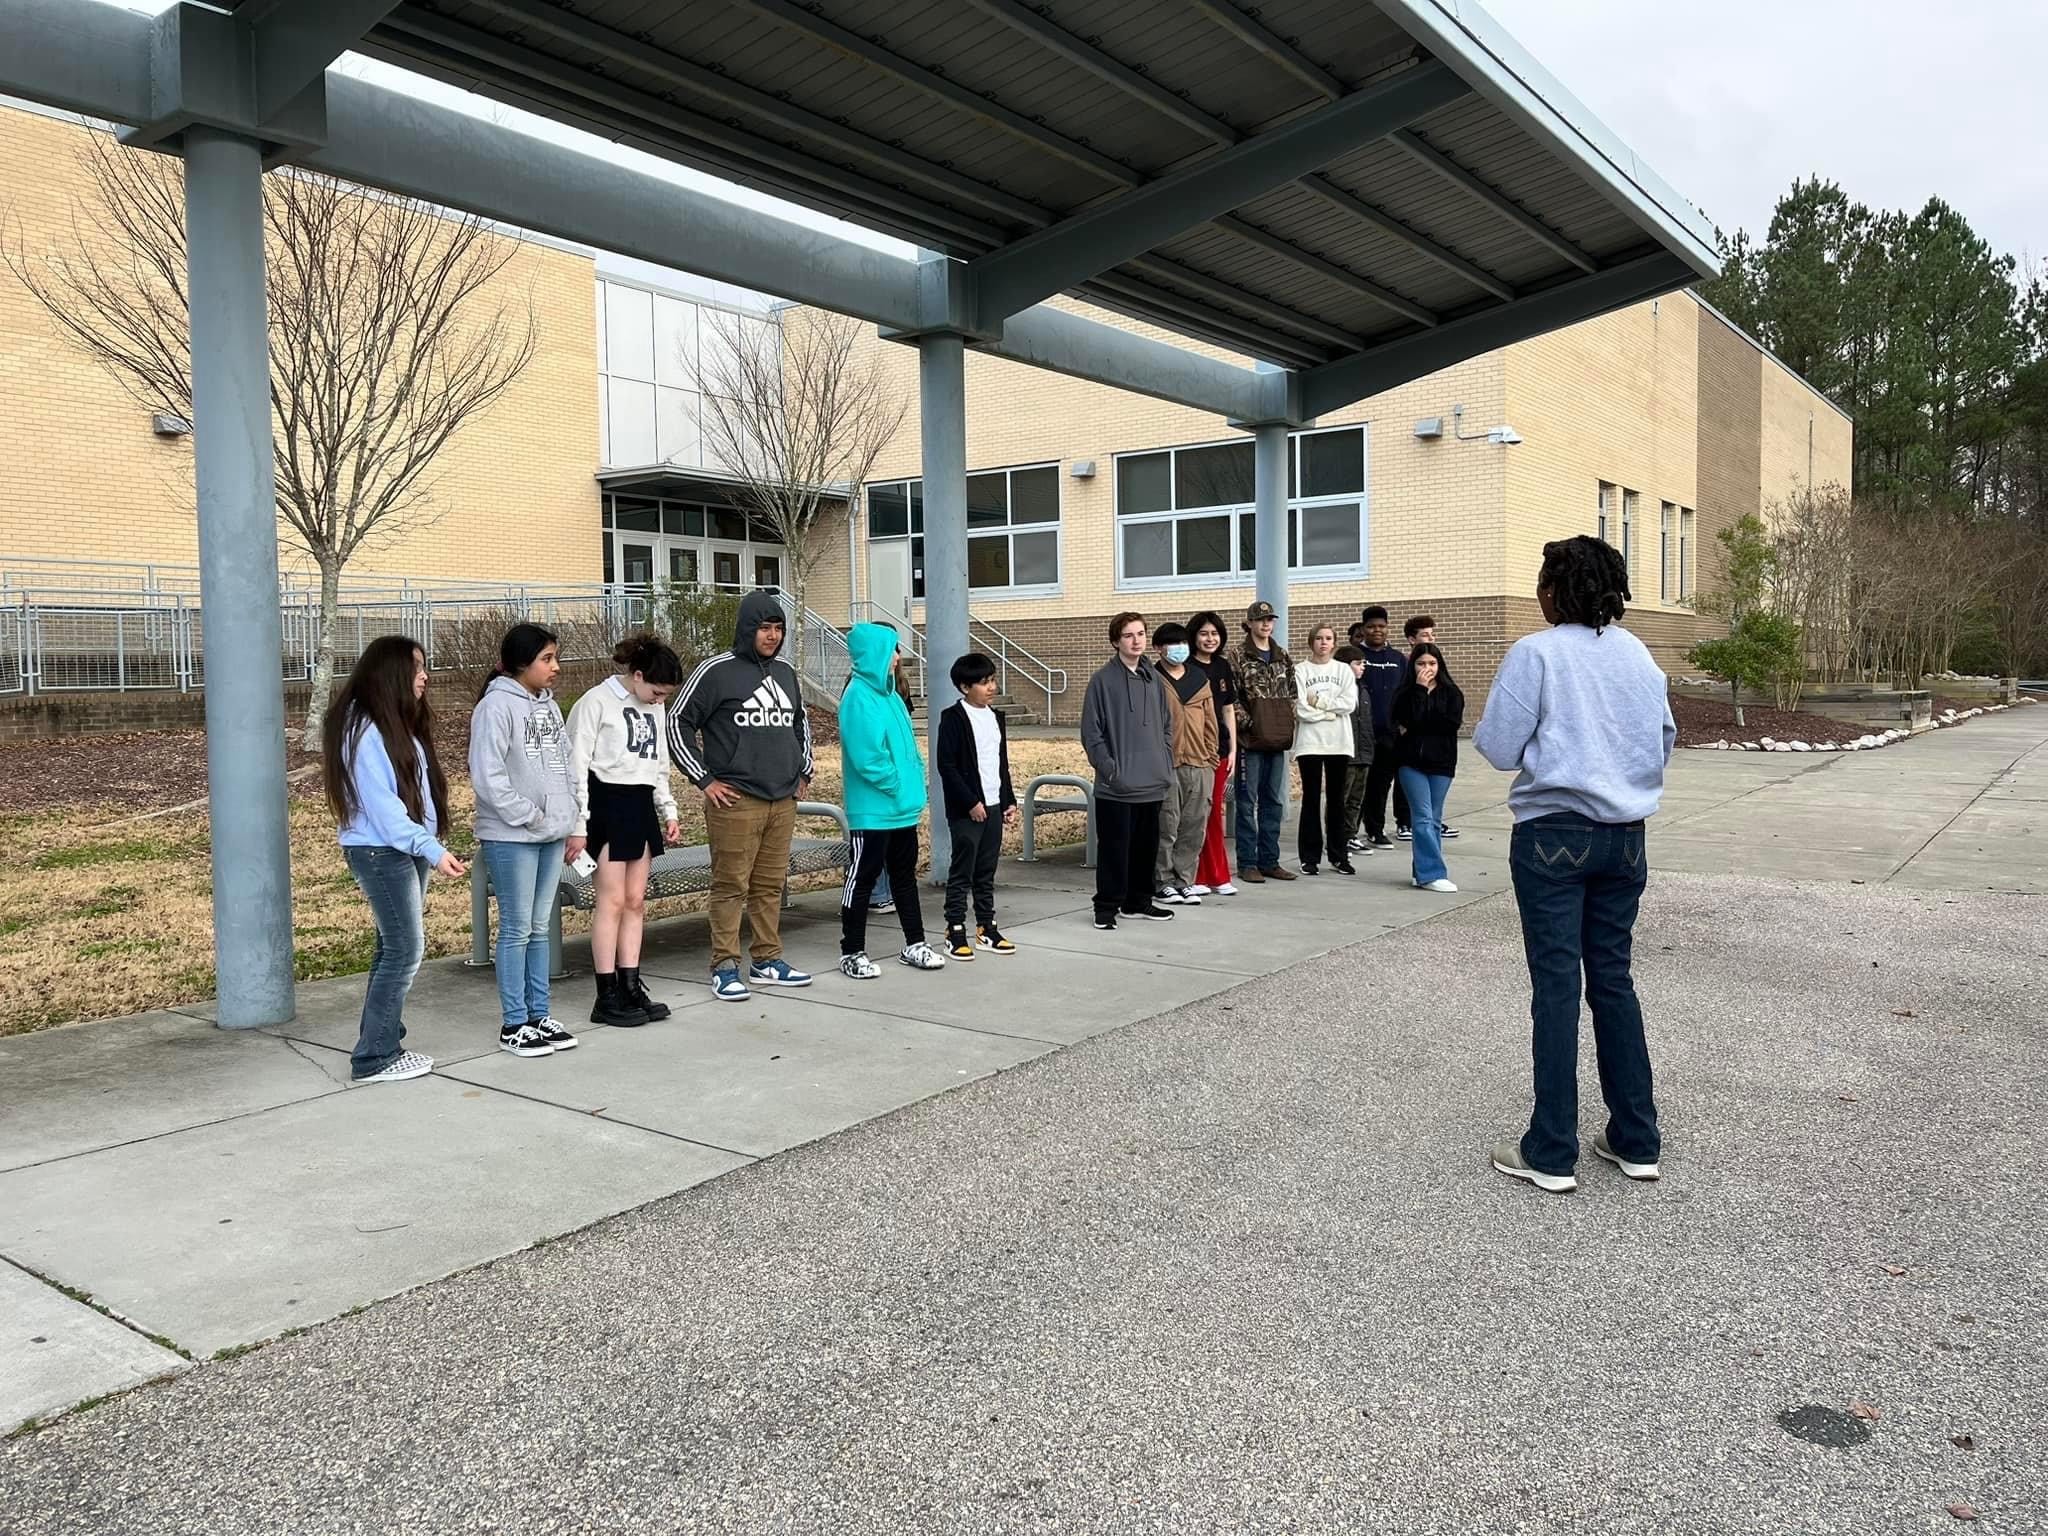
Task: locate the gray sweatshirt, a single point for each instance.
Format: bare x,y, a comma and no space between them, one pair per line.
519,766
1585,715
1127,732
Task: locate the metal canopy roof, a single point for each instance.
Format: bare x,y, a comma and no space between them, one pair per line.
1405,170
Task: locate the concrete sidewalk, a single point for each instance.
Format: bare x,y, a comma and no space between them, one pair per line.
209,1190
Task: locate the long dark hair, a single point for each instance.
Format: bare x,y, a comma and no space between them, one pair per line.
519,650
1444,683
1208,616
378,695
1588,581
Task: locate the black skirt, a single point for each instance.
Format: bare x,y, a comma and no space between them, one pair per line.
624,821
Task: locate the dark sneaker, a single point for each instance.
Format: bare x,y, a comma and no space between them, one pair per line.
1168,895
1646,1173
551,1031
1311,870
523,1040
883,907
409,1064
1189,896
1344,868
1507,1157
1277,873
726,985
1152,914
1380,840
1449,832
1105,920
958,945
1406,834
991,939
777,973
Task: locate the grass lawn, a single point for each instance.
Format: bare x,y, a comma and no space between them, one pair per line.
102,918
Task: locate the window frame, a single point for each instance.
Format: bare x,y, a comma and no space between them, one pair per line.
1667,514
1241,513
1688,553
1008,531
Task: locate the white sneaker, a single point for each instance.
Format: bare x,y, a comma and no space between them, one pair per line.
409,1064
1226,889
1169,895
1443,887
859,967
922,957
1189,896
1200,890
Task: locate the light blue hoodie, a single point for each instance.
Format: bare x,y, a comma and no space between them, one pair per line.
884,771
381,819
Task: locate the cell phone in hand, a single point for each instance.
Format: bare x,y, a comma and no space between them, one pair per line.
584,865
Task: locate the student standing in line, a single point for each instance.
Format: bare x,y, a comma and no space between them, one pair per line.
1265,735
386,788
1420,627
1212,870
1128,737
884,898
625,815
1384,670
885,798
1361,753
974,767
1184,813
1427,712
1325,695
525,810
1583,712
739,729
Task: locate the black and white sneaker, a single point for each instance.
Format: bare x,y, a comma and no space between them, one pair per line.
882,907
1105,921
524,1040
408,1065
1169,895
551,1031
1406,834
1189,896
1450,832
1152,914
922,957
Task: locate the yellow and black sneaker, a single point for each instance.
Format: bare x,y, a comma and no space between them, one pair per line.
991,939
957,947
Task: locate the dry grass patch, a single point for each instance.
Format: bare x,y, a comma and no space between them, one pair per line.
102,920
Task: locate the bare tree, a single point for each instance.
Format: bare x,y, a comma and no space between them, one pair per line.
797,413
384,341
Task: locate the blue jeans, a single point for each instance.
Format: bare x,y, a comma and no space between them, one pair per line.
1426,794
524,876
1261,807
1578,883
396,884
884,893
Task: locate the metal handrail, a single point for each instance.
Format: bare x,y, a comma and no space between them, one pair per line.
1008,655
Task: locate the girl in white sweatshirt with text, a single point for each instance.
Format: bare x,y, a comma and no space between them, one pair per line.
1325,694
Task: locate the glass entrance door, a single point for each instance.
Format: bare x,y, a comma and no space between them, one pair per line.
728,564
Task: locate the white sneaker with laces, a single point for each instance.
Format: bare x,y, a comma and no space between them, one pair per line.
922,957
525,1040
410,1064
1169,895
1226,889
1442,887
1201,890
858,967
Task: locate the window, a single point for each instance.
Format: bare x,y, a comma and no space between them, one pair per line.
646,540
1664,530
1013,516
1687,538
1185,515
1630,502
1603,518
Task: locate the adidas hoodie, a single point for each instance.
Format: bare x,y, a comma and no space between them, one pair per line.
739,717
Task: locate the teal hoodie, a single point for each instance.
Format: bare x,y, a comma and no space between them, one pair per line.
878,754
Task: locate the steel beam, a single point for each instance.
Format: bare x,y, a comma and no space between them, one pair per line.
1115,231
1273,46
1337,197
1269,501
295,41
1426,153
89,59
1337,384
942,421
235,471
1329,270
1081,348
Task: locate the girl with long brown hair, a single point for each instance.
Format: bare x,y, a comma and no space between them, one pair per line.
387,790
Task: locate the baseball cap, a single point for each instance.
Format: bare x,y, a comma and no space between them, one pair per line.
1259,611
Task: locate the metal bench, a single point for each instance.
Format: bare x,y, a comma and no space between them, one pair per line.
679,872
1030,806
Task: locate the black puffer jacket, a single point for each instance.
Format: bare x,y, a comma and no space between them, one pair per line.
1427,720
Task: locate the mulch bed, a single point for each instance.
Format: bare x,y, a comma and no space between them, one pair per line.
1704,721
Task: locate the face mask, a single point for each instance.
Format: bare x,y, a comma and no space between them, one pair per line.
1177,654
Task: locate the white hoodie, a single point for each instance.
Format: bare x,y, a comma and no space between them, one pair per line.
622,741
1325,694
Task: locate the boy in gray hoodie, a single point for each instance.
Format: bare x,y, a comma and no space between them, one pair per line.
1127,732
525,808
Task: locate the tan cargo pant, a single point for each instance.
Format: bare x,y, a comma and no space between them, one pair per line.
749,867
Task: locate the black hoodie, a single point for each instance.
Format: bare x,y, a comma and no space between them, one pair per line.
748,713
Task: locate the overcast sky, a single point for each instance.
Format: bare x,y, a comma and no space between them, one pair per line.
1898,100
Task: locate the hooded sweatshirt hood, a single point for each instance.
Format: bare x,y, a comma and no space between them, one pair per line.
519,766
756,609
883,769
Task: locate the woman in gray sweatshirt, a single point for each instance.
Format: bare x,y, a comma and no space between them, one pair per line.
525,808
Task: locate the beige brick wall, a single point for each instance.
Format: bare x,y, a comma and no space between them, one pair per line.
1806,443
83,477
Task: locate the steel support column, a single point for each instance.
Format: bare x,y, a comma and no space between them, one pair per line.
942,419
231,442
1269,500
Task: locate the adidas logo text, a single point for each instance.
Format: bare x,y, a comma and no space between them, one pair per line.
768,706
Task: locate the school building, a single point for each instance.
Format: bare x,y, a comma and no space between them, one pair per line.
1656,426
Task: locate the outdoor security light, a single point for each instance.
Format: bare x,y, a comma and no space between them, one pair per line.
1430,427
166,424
1505,435
1082,469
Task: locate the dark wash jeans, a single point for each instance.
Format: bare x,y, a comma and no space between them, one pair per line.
1578,883
1261,807
396,884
